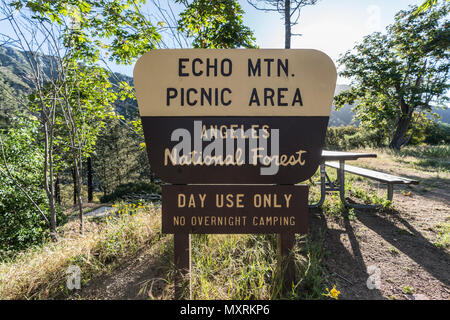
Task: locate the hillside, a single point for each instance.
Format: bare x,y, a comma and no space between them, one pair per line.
344,116
15,82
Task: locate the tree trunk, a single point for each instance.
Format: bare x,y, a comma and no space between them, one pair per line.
80,201
89,180
57,191
51,196
48,180
75,188
79,183
287,24
399,138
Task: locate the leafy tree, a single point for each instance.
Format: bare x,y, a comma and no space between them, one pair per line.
216,24
114,26
119,158
399,75
75,34
22,199
290,9
427,5
86,103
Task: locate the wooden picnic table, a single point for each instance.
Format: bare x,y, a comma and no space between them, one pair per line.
327,185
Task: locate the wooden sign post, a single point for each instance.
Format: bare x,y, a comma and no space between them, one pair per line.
182,261
233,132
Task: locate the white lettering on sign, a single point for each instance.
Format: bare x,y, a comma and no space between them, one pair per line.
225,152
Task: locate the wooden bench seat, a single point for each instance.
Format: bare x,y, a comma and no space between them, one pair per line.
389,179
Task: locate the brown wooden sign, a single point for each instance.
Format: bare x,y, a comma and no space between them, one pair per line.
237,209
216,118
234,116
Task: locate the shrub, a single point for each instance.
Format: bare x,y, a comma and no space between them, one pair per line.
21,225
335,136
372,138
424,151
437,133
351,137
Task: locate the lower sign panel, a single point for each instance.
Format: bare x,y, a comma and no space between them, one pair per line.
238,209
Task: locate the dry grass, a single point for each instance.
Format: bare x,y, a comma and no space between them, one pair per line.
224,266
40,273
245,267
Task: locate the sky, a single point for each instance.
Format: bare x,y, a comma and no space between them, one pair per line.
332,26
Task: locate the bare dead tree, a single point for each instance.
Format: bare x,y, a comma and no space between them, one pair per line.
290,9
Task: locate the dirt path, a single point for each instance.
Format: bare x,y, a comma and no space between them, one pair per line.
396,247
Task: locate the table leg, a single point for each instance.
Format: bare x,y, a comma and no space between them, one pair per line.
322,187
341,179
390,191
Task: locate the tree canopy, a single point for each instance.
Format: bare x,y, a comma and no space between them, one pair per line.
400,75
427,5
114,26
215,24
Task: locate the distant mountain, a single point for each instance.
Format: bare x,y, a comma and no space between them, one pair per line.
344,116
16,82
445,115
127,108
15,70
